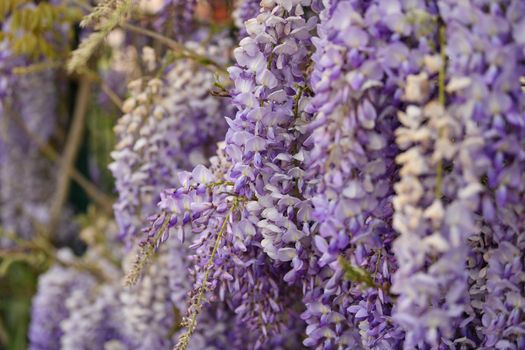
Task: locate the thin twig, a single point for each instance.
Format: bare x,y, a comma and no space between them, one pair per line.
113,96
191,321
37,67
74,140
4,337
26,249
78,264
172,44
100,198
144,255
442,100
161,38
180,49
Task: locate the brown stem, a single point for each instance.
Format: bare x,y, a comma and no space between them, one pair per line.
100,198
74,140
4,337
111,94
24,250
78,264
93,76
176,46
172,44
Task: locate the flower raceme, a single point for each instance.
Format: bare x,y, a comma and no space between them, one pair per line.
360,185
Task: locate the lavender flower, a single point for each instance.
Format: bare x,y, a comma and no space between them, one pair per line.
229,266
264,136
160,298
447,157
485,90
170,125
176,17
244,11
213,206
150,308
502,320
25,177
368,193
432,248
48,309
131,165
190,207
364,50
28,118
94,320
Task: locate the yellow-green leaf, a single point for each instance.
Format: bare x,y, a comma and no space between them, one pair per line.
355,273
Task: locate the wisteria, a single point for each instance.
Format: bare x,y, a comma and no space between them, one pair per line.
351,171
28,120
163,132
244,11
49,309
493,99
32,115
175,17
256,135
281,174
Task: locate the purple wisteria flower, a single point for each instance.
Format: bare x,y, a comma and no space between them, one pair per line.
212,207
26,113
245,10
447,181
362,185
486,55
148,307
48,309
248,202
265,136
227,261
175,17
152,310
94,321
170,125
364,52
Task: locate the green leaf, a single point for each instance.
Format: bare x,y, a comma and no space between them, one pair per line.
5,6
356,274
4,336
5,265
16,291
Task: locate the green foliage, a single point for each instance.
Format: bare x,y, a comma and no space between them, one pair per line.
17,288
27,252
34,28
7,6
100,12
106,17
356,274
101,141
425,23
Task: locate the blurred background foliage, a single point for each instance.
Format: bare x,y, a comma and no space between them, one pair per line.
34,31
44,33
18,287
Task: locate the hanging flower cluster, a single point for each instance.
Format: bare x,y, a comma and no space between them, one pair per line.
24,174
349,175
361,183
49,309
171,124
176,17
29,117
